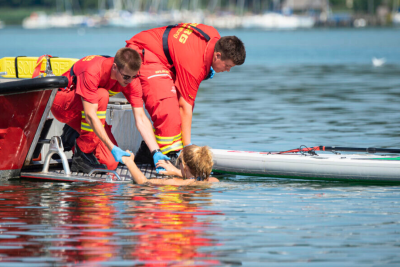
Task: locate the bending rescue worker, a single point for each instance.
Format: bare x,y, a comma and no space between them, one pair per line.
83,104
176,59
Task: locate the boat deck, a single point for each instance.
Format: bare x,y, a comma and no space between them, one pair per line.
121,175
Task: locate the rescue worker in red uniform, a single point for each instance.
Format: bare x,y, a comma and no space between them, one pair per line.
176,59
83,104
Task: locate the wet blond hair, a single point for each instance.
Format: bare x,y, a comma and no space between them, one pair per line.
199,160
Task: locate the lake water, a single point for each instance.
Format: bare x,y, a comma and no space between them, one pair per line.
314,87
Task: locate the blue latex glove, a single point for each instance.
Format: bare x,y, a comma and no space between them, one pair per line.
159,156
210,74
188,145
118,153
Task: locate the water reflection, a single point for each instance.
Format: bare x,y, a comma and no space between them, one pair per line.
85,224
170,228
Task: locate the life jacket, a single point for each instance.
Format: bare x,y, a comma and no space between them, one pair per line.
165,40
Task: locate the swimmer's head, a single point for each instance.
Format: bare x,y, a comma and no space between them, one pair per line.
197,160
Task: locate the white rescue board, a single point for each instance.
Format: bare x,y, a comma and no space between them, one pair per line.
361,167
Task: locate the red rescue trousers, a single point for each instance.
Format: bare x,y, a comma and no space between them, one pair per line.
68,108
161,101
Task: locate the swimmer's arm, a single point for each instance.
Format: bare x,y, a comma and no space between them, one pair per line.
173,171
181,182
171,181
137,175
169,168
212,180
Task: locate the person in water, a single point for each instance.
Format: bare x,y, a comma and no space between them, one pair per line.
195,164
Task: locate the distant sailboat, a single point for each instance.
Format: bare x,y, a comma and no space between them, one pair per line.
378,62
63,18
396,13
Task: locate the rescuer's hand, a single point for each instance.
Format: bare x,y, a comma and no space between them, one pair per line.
118,153
159,156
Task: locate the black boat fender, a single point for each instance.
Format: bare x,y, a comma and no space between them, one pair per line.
30,85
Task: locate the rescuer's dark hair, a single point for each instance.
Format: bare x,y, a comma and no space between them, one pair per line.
128,57
231,48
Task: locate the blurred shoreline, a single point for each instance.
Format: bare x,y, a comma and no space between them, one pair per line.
269,20
286,15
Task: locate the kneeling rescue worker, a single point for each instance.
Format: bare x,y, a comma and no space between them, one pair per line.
176,59
83,104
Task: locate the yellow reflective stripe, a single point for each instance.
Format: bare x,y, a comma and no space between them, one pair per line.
100,114
112,93
86,127
164,137
178,137
169,139
163,143
174,147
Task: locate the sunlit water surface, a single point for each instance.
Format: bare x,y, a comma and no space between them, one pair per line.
314,87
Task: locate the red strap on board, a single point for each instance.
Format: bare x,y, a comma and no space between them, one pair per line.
37,71
316,148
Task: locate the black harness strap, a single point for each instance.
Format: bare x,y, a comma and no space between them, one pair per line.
16,66
165,40
48,61
205,35
165,43
72,74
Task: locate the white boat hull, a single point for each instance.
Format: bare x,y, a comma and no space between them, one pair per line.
365,167
396,19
